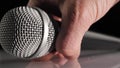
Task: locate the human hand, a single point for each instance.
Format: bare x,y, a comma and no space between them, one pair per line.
76,17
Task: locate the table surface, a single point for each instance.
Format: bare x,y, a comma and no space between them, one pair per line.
92,57
88,59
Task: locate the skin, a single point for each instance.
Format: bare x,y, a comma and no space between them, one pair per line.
76,16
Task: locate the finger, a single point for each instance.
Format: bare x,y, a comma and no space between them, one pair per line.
59,59
38,3
56,18
73,29
47,57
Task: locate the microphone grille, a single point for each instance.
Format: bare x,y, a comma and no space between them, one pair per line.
22,31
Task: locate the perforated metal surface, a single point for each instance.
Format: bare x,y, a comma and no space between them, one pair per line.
21,32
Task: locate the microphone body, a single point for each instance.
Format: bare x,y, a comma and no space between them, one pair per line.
28,32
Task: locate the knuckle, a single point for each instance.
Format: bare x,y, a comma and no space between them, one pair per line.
70,54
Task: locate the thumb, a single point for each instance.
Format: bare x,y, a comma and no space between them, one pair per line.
69,40
72,31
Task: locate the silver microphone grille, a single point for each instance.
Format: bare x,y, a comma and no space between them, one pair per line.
26,32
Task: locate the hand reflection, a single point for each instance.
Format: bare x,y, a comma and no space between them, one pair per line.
51,64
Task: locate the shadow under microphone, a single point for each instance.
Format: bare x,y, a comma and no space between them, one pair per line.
28,32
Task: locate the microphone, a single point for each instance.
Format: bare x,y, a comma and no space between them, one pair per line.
28,32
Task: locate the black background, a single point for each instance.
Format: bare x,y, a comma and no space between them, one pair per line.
109,24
